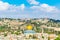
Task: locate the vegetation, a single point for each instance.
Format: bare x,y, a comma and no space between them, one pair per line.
58,38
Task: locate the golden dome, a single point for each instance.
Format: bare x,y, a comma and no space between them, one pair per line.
29,27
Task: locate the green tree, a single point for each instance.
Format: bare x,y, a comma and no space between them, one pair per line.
58,38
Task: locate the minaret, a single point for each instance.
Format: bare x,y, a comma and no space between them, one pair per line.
4,19
42,29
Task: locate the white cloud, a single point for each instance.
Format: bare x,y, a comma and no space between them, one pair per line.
4,6
48,8
22,6
14,8
29,12
42,7
45,8
34,2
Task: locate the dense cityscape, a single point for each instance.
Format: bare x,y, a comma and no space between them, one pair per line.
28,29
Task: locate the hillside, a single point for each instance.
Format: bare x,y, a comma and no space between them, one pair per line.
19,25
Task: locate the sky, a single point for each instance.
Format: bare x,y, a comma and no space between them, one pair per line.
30,9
